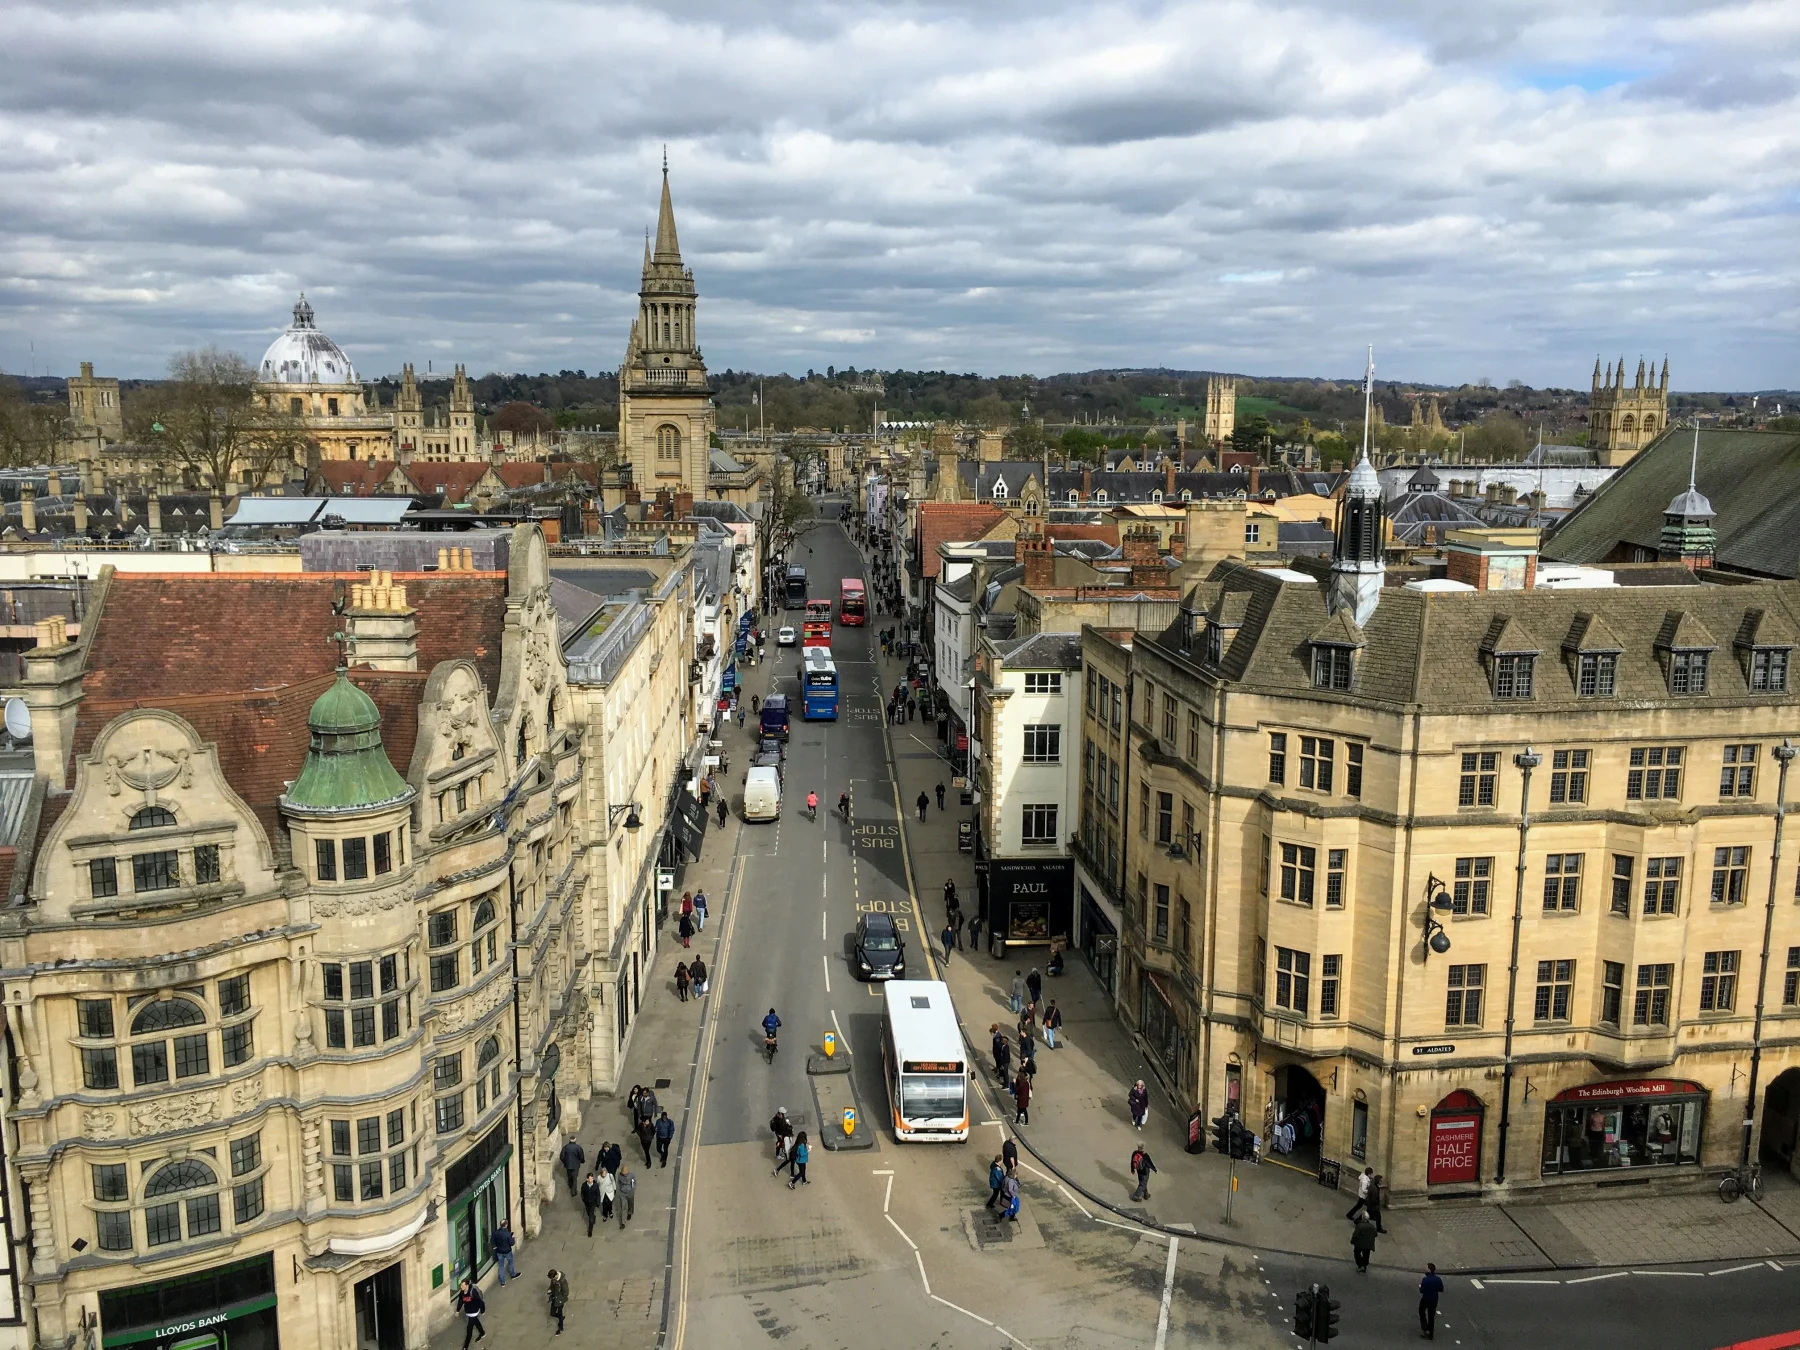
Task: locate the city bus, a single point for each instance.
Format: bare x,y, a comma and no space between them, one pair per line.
926,1066
795,592
819,685
816,630
853,606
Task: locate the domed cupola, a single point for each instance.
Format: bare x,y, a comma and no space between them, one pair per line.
304,355
346,768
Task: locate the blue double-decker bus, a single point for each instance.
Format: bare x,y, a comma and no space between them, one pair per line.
819,685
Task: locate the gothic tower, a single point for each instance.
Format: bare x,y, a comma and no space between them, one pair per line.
1621,420
409,419
1357,567
1221,408
462,416
665,402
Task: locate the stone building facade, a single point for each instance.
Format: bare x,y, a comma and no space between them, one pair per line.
1623,419
1486,890
292,966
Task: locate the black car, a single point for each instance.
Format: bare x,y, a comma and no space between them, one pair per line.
768,745
879,954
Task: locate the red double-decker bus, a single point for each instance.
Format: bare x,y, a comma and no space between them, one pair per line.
816,630
853,606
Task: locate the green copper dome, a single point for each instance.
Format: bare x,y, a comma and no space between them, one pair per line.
346,768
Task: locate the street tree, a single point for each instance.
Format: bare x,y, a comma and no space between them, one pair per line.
29,431
205,423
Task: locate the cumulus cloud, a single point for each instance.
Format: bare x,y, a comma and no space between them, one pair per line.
1496,190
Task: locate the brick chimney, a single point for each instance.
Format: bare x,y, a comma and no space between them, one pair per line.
1255,479
1168,477
990,446
1141,549
155,509
28,508
633,497
1037,556
684,505
1087,484
384,626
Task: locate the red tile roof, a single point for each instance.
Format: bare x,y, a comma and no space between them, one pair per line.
361,477
454,479
951,522
1106,534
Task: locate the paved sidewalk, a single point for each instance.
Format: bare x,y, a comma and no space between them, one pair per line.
617,1277
1081,1130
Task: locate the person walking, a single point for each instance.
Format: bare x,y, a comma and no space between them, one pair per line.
1052,1024
590,1200
1027,1049
740,727
975,933
646,1133
783,1130
687,904
572,1157
684,927
1362,1242
924,804
722,811
948,937
1009,1154
626,1186
609,1188
1009,1189
665,1134
1016,996
756,703
1138,1100
501,1240
1002,1052
1431,1288
1374,1203
1366,1180
1142,1167
612,1157
646,1107
1034,985
697,968
1022,1096
797,1168
559,1297
940,796
956,922
682,981
700,910
996,1180
951,903
471,1305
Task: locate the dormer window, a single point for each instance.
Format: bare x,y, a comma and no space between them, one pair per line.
1074,496
1100,496
1769,669
1186,495
1333,667
1597,674
1512,676
999,489
1687,671
1156,496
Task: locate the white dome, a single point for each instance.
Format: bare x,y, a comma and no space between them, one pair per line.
304,355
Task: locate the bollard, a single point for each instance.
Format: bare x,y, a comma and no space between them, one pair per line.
849,1121
830,1044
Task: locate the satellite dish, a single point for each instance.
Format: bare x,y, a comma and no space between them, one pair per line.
18,719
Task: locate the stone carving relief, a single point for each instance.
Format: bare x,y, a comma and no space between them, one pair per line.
465,1011
247,1095
458,715
148,770
173,1113
538,642
100,1124
356,906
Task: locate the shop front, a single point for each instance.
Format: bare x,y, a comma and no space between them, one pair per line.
478,1196
1027,900
1637,1122
1454,1156
228,1306
1163,1030
1100,942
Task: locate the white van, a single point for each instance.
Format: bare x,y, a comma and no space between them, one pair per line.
762,794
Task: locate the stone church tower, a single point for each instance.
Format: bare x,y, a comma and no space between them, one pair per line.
1221,408
1623,421
665,402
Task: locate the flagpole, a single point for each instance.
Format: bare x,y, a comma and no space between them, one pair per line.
1368,398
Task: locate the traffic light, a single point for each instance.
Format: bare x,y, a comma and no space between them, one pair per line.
1242,1145
1222,1133
1303,1315
1325,1315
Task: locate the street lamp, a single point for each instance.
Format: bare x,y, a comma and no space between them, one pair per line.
1437,937
630,812
1184,841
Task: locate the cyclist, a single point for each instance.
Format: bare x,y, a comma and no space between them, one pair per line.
844,805
770,1024
812,805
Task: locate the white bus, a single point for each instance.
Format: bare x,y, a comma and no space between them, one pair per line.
926,1065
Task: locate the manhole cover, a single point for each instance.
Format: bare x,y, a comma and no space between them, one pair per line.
662,1082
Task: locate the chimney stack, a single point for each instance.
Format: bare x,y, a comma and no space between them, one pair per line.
55,483
155,509
384,626
1142,550
53,693
28,508
1037,556
1168,477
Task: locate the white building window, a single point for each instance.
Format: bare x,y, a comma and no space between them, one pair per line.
1043,682
1037,823
1043,743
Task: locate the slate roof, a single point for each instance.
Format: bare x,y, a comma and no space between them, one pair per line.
355,477
1042,651
1421,516
1134,485
605,581
1427,648
1752,479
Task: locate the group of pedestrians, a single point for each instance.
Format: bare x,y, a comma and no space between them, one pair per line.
1365,1215
1003,1183
1025,1000
792,1151
692,918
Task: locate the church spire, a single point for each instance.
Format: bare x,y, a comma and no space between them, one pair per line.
668,247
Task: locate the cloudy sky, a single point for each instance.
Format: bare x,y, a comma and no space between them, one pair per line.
1499,189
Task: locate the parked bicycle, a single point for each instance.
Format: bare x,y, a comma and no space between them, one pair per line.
1745,1180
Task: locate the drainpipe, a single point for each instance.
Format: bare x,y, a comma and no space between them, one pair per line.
1527,760
512,909
1784,755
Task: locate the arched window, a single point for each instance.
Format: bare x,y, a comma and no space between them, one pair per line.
999,489
167,1016
519,747
152,818
162,1222
1031,506
1649,426
1627,425
487,1074
668,442
484,949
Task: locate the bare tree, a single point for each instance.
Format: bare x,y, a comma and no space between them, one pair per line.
29,431
206,422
